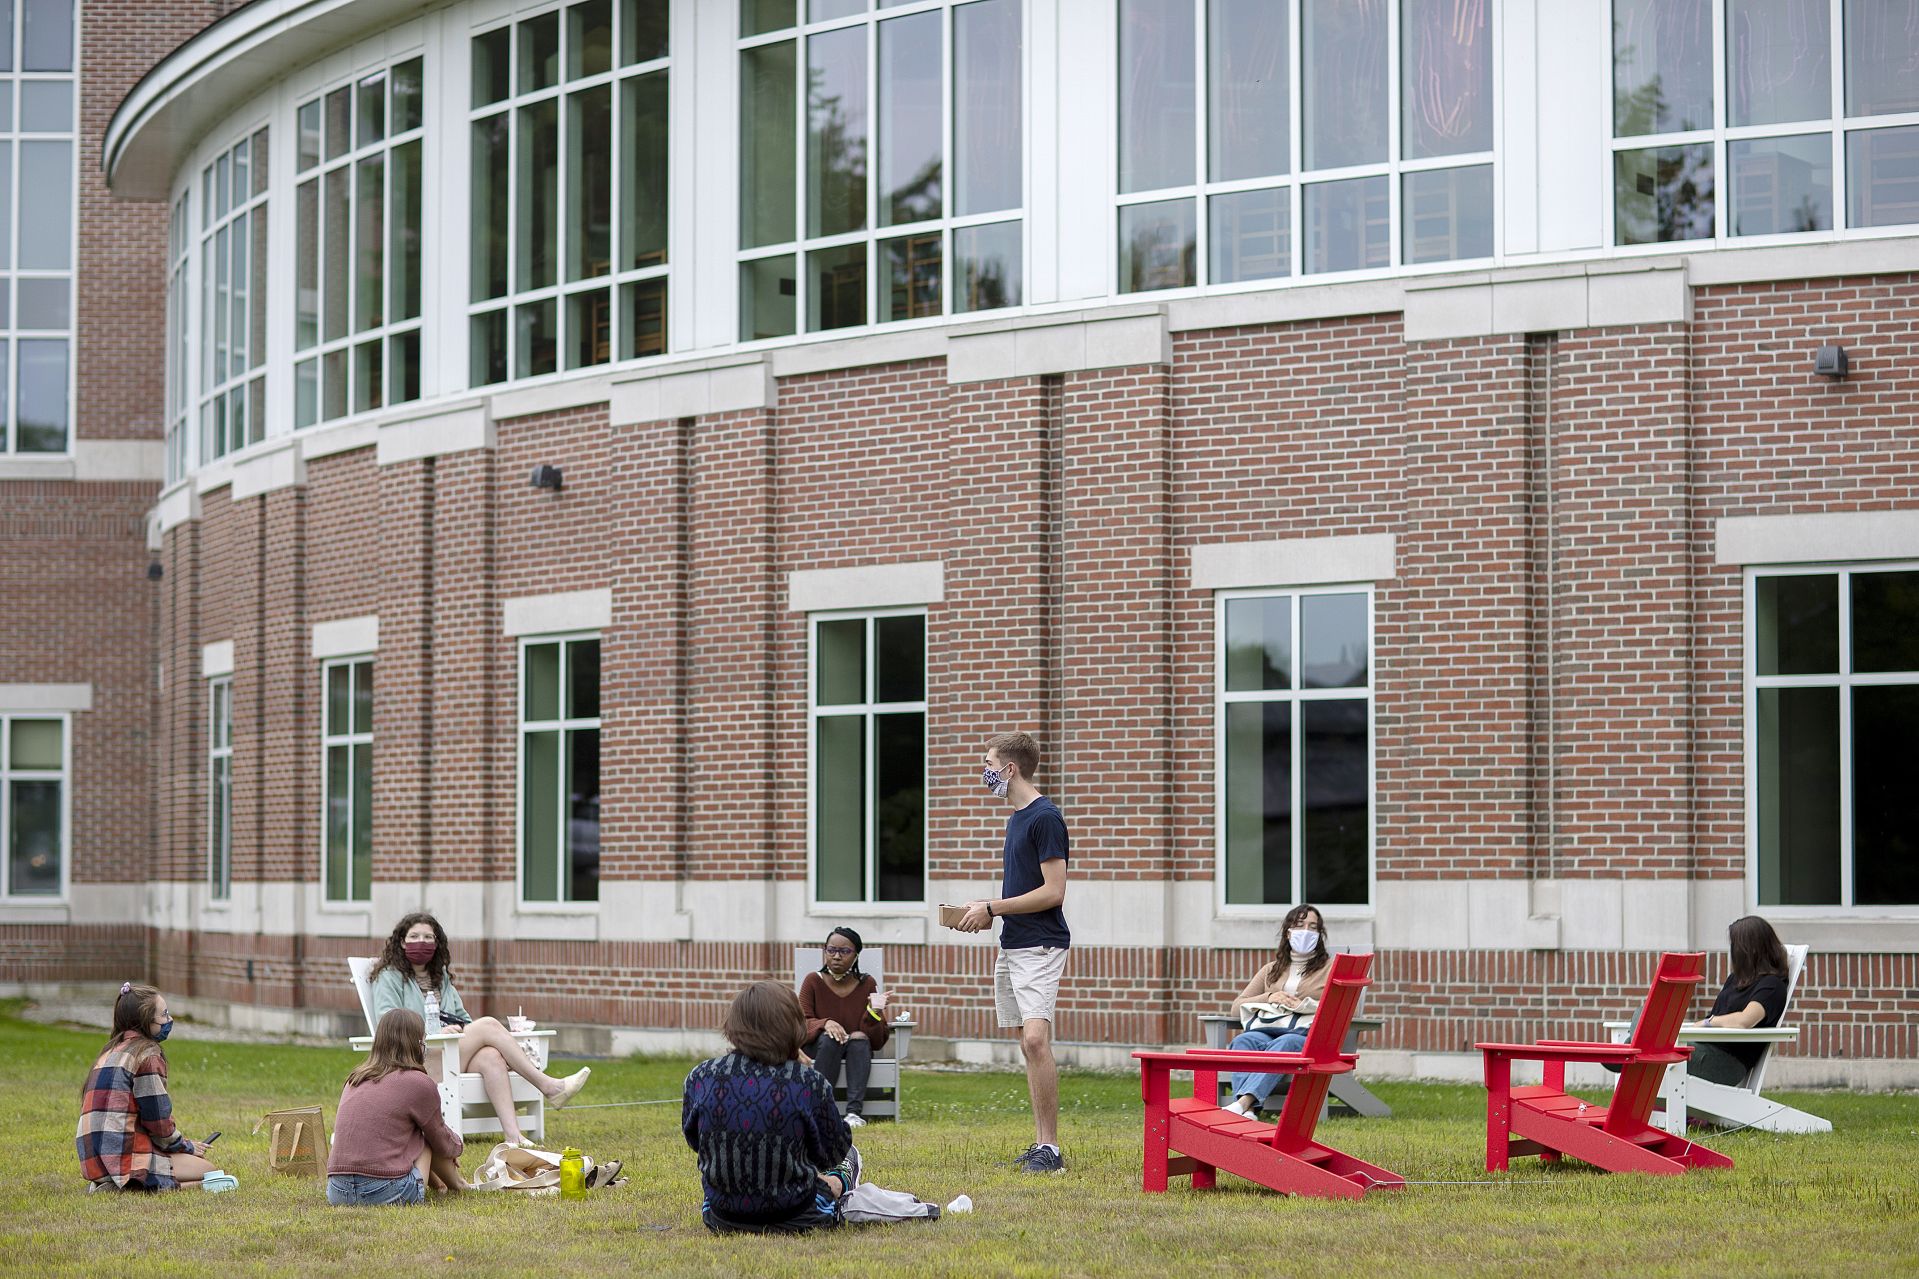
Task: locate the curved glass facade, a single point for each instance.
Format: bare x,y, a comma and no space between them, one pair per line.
499,192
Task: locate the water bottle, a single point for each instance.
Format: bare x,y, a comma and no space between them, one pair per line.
572,1174
432,1014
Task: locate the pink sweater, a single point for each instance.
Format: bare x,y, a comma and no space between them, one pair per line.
382,1126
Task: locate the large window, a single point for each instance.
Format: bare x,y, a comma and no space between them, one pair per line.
1833,663
1815,126
569,190
220,786
36,225
933,95
1294,746
233,287
346,753
1241,120
358,228
33,804
868,713
179,257
560,769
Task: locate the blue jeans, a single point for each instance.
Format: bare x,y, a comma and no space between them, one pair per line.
1248,1084
350,1189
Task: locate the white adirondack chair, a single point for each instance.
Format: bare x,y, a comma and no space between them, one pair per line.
463,1100
883,1090
1740,1105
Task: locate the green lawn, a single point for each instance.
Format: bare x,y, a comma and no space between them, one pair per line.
1838,1204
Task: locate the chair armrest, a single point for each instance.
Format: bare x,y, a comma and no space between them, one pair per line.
900,1036
1566,1051
1218,1028
1205,1058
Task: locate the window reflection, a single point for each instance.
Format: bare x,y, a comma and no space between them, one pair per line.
1662,194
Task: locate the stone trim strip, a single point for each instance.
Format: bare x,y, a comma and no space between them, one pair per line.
46,697
558,613
216,659
1816,539
347,637
817,590
1294,561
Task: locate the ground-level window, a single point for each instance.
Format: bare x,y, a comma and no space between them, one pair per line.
867,699
220,786
346,751
560,769
1294,740
1833,661
33,803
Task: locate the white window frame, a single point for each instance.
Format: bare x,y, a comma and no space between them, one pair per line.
523,726
182,451
1845,681
1295,696
866,709
873,234
1295,180
349,160
219,887
10,335
562,290
64,776
1837,126
204,237
349,740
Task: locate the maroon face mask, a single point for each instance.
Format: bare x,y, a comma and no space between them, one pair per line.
421,952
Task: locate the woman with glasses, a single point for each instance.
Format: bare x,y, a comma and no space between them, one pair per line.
126,1136
845,1019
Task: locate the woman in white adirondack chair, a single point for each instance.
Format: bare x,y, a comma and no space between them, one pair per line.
415,960
1278,1004
1754,995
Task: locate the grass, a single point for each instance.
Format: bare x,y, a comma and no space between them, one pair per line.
1832,1204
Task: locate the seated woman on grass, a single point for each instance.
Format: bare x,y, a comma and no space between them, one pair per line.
126,1137
845,1013
389,1136
1277,1005
416,960
775,1157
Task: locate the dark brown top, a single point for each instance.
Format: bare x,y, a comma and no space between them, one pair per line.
822,1004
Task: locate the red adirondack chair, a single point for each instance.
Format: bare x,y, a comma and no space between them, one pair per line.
1283,1157
1616,1137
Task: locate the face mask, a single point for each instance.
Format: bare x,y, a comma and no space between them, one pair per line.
996,780
164,1031
421,952
1304,941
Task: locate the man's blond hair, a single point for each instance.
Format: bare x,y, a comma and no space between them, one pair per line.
1018,749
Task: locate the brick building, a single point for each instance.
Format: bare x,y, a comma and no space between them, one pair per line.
1377,448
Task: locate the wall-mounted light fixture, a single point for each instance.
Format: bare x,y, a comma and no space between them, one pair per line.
1830,362
547,477
154,571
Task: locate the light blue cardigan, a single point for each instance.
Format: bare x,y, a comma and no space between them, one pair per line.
395,989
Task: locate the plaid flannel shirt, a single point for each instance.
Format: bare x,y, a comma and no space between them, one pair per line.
126,1130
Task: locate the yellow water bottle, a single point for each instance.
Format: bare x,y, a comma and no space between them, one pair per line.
572,1174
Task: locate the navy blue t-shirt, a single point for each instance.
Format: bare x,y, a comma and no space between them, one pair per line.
1034,834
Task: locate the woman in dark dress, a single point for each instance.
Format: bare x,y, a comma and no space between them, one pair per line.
1754,996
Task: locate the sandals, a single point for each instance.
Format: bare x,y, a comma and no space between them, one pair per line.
606,1174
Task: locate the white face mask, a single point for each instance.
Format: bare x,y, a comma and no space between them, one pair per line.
1304,941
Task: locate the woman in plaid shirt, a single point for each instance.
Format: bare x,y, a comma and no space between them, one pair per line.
126,1137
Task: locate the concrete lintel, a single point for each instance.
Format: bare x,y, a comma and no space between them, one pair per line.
177,505
346,637
278,464
216,659
46,697
1548,298
456,428
867,586
1293,561
558,613
1072,343
733,385
1816,539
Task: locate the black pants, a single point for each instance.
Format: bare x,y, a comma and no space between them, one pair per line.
1713,1063
857,1054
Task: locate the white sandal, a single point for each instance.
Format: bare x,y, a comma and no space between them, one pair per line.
569,1086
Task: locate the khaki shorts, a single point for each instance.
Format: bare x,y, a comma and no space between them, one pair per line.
1026,983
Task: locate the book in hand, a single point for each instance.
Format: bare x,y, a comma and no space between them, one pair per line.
950,916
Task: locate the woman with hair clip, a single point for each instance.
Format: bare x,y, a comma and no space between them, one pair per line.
416,960
389,1136
126,1137
1277,1005
845,1014
1754,995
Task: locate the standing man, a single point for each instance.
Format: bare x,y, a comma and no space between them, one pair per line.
1033,937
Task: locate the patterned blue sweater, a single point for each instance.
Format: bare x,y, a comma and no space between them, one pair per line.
763,1133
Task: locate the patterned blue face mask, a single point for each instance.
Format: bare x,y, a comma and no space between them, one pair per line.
166,1028
996,780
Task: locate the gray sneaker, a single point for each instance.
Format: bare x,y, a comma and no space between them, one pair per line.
1040,1159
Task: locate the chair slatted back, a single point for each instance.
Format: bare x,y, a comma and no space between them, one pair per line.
360,967
1795,965
1656,1032
1338,1005
807,959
